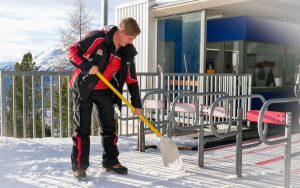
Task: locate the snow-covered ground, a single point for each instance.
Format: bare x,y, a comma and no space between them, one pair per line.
46,163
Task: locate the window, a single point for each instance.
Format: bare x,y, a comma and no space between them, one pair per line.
178,46
266,63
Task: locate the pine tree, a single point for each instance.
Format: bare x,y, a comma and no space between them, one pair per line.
80,19
26,64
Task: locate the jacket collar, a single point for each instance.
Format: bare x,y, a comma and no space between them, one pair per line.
109,35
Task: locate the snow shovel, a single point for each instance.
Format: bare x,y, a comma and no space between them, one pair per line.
169,150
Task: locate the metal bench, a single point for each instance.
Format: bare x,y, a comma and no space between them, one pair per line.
199,111
157,103
277,118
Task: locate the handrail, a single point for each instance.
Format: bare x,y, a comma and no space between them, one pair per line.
261,115
197,106
229,98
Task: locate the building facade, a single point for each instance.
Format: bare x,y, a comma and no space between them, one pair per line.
261,37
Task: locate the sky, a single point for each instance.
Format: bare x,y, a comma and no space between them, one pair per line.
34,25
45,162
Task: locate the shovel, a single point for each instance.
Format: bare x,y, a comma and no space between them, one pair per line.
169,150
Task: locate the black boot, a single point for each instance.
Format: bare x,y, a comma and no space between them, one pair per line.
80,174
118,168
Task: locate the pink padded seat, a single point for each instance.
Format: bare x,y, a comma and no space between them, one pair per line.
185,107
153,104
271,117
218,112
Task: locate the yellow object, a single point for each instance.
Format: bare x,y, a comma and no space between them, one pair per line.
146,121
210,71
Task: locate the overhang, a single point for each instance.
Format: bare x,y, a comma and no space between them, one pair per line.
280,10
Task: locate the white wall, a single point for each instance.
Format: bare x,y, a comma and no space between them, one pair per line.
146,41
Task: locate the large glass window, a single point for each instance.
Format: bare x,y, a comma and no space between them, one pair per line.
292,64
178,45
266,63
226,62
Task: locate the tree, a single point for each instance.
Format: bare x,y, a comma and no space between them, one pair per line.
80,20
26,64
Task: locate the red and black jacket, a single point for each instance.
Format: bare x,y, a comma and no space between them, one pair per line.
118,66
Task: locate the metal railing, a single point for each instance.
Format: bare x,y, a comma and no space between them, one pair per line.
39,104
27,99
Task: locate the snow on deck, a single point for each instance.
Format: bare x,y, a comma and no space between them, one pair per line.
46,163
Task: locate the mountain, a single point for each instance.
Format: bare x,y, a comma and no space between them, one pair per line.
7,65
53,59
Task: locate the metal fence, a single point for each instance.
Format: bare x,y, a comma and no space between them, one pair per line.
231,84
39,104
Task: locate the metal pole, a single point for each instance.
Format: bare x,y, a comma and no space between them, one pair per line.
33,109
60,107
104,6
69,112
287,150
3,105
203,26
239,144
201,143
24,107
51,104
141,137
43,110
14,107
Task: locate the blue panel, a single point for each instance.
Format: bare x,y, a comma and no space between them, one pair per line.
253,29
170,30
173,32
227,29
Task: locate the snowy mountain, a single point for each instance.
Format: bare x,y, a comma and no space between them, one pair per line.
51,59
7,65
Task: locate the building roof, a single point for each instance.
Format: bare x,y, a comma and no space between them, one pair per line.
281,10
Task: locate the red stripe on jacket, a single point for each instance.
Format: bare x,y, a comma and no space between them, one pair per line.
92,47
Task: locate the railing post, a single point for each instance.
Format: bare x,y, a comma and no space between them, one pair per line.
287,150
14,106
60,106
3,106
43,108
51,105
33,109
24,108
69,112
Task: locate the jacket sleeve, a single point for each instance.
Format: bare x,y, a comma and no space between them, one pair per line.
131,78
132,84
79,52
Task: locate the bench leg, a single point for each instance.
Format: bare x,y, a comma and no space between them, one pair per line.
201,144
239,144
141,138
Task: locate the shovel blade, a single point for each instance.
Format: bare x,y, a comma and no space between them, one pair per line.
170,154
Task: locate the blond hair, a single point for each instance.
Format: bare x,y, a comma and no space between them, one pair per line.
130,26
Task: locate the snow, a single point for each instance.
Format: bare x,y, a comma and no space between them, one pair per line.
53,59
45,162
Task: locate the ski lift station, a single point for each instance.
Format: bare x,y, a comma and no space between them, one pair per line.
215,36
208,71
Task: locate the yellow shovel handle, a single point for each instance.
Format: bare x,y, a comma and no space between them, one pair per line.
145,120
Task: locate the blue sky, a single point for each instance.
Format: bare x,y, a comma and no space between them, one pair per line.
34,25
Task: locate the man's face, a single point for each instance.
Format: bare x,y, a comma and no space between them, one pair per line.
125,39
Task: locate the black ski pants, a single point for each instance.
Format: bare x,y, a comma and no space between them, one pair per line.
103,101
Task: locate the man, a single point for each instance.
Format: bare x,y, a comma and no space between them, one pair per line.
109,51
